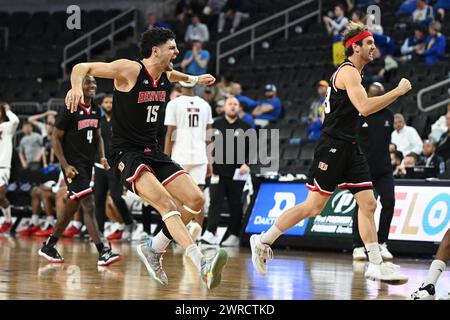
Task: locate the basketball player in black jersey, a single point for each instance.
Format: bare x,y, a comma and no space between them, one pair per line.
140,92
76,141
338,160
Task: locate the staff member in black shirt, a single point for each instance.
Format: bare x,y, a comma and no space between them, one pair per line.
374,139
109,180
227,186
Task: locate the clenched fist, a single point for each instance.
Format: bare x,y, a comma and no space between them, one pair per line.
404,86
206,79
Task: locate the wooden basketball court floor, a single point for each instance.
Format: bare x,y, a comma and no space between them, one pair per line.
292,275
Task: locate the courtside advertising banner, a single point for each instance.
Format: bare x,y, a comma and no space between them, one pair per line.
420,214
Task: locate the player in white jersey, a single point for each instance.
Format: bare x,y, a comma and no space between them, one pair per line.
7,131
188,118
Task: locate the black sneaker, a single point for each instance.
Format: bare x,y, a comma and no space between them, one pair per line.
108,257
50,254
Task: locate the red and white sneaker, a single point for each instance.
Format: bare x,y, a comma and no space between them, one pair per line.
115,235
45,232
5,227
29,231
71,232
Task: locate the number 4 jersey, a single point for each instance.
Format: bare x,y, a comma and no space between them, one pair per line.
136,113
191,116
79,143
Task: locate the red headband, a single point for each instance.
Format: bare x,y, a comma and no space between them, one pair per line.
358,37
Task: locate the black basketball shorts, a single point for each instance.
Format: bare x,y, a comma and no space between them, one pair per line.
131,163
80,185
338,163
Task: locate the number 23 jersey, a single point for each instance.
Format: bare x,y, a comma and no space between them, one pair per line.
79,143
136,113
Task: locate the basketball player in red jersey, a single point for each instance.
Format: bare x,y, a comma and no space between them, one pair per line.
338,160
140,93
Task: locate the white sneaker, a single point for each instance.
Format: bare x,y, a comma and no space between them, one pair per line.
260,254
424,293
232,241
209,238
385,254
385,272
359,254
195,230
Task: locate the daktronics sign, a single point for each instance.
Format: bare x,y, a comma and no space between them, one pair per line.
421,213
272,200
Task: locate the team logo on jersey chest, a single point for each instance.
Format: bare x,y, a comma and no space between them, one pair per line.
87,123
323,166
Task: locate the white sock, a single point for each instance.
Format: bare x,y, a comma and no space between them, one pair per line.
436,269
271,235
7,214
50,220
160,242
76,224
194,253
35,219
373,251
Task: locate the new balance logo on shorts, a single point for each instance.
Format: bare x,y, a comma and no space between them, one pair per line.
323,166
333,150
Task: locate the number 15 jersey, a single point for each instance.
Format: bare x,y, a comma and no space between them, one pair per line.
79,143
136,113
191,116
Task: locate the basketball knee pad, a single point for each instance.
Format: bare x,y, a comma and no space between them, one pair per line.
170,214
190,210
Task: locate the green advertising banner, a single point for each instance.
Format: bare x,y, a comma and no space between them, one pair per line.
336,218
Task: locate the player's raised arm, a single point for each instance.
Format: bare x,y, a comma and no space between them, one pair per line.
120,70
351,79
176,76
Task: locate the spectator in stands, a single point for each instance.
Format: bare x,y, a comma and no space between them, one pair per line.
392,147
195,61
413,43
336,27
434,49
31,148
315,109
269,109
443,145
407,7
236,90
439,127
396,160
314,130
247,117
431,159
212,10
409,161
233,9
439,8
186,8
46,130
405,137
423,13
196,31
223,87
153,22
357,16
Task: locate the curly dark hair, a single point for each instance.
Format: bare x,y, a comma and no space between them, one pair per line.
153,38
